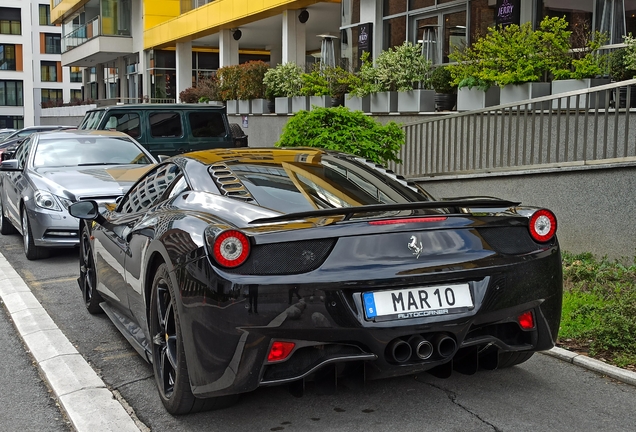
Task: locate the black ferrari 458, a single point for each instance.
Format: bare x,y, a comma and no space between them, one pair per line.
231,269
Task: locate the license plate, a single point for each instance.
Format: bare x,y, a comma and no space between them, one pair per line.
417,302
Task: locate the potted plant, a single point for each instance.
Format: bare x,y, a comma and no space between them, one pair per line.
587,68
362,85
251,89
473,90
229,77
445,91
622,69
326,85
281,84
402,72
519,59
206,89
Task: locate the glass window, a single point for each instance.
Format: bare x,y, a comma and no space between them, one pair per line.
51,97
52,43
419,4
124,122
165,125
204,124
394,32
45,14
76,74
76,95
351,11
48,71
10,21
482,16
578,15
22,153
454,33
7,57
11,93
147,192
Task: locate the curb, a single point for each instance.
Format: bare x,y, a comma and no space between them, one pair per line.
625,376
66,372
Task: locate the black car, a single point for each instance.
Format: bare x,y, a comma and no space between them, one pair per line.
257,267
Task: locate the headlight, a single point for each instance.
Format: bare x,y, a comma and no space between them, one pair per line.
49,201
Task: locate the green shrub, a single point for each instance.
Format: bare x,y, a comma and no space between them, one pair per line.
285,80
207,89
343,130
251,76
441,80
229,78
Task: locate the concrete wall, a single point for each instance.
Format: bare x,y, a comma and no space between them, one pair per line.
595,207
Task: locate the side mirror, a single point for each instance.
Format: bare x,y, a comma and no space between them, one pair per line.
9,165
86,210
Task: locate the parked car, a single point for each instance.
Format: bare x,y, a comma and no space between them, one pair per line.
258,267
169,129
5,133
25,132
50,171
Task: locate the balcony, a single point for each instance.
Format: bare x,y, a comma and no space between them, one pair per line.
98,41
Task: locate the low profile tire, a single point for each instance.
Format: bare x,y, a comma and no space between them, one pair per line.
88,276
238,135
31,251
168,356
509,359
5,225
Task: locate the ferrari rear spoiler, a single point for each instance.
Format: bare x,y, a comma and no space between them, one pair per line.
348,212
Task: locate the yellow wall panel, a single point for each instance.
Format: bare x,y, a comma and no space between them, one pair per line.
64,9
164,25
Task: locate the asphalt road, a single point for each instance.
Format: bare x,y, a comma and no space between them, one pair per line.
544,394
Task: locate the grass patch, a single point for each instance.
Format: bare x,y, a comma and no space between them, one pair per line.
599,308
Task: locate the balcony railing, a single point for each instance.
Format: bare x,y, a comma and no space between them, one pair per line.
88,31
577,128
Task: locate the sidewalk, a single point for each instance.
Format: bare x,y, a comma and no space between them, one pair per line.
71,379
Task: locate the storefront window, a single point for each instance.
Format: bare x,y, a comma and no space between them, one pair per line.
454,33
394,32
579,18
482,16
162,74
351,12
630,17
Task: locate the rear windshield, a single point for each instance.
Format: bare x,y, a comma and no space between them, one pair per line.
322,183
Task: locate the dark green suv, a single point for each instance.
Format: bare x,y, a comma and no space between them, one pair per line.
169,129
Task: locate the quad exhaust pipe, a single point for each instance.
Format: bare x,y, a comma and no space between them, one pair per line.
418,348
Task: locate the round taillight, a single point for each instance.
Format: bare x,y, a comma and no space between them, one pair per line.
543,225
231,248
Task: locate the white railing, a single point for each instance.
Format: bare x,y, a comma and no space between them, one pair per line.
581,127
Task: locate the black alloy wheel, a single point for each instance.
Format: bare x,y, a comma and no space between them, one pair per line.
31,251
168,355
5,225
88,276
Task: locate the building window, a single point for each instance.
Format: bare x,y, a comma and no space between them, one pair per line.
10,21
52,97
76,95
52,43
7,57
45,15
48,71
12,122
76,74
11,93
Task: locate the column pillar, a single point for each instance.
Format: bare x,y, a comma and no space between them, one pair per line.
371,11
121,79
184,66
99,74
294,39
228,49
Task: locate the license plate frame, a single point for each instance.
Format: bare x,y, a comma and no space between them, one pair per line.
417,302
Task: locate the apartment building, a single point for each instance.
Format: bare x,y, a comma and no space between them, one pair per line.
139,50
31,72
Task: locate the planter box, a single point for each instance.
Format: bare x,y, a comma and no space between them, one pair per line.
244,106
356,103
319,101
283,105
416,101
445,101
474,99
520,92
231,107
259,106
585,100
384,102
300,103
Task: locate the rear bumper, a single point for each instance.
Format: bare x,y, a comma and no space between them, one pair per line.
228,327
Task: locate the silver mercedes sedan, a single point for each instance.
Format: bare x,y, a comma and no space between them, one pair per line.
50,171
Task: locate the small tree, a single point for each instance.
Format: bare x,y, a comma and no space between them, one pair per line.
250,80
229,78
344,130
630,55
206,89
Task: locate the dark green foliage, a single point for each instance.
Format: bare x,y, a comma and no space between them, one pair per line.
344,130
599,307
441,80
